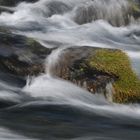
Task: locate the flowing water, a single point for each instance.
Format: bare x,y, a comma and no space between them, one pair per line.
50,108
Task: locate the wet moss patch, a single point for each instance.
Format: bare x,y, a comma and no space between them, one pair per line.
127,86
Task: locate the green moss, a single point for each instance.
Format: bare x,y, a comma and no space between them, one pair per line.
36,47
116,62
4,30
31,42
134,9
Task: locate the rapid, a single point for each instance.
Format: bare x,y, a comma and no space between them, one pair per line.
49,108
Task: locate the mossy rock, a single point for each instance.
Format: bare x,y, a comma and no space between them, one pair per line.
127,87
36,47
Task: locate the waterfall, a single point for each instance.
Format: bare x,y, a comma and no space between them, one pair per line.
109,92
53,62
115,13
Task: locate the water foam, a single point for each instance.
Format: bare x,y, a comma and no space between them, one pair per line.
57,27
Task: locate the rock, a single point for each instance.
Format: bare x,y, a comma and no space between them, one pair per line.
73,66
5,9
20,55
134,9
13,2
116,62
105,71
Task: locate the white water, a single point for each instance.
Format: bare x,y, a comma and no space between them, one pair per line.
56,27
62,24
57,91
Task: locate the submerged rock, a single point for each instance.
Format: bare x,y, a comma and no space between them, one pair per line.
135,10
20,55
14,2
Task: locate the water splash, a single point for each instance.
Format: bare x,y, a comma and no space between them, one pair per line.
53,65
116,13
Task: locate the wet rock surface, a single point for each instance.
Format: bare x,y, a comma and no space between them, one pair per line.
20,55
73,66
14,2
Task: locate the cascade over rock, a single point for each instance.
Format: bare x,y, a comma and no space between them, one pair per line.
25,57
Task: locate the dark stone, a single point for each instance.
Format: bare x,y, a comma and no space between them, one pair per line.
20,55
14,2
